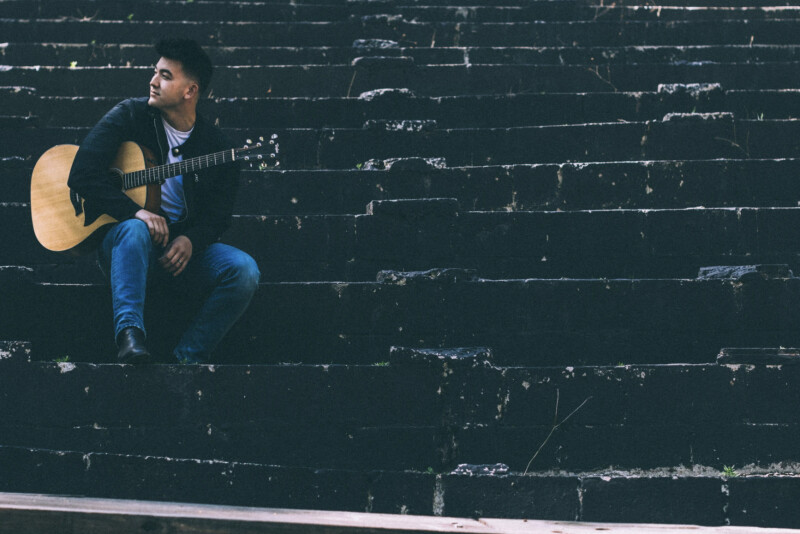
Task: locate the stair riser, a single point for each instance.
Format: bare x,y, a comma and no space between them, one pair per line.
605,244
409,418
349,149
100,55
552,11
583,33
526,322
344,81
743,501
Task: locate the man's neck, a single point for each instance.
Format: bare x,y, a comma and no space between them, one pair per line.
182,121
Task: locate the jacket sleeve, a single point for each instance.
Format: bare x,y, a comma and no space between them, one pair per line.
89,176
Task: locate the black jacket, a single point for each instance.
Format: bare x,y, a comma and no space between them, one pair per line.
210,193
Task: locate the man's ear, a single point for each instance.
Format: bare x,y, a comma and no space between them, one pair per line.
192,91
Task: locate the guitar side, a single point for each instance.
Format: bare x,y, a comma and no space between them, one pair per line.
54,221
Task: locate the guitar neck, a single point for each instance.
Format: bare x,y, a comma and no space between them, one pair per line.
160,173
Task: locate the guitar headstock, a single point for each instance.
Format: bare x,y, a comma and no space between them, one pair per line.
263,153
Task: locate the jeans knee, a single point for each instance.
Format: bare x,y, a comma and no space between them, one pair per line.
248,273
133,232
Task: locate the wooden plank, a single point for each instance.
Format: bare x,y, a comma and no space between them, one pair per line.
28,513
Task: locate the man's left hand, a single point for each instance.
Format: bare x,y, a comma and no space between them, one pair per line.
176,255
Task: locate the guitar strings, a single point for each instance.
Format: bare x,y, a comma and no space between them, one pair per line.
162,172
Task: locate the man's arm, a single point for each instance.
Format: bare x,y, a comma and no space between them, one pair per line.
89,176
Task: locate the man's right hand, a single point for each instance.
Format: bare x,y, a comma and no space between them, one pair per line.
157,225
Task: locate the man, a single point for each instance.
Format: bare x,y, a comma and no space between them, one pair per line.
181,241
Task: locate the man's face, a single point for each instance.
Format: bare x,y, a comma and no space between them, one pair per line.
169,86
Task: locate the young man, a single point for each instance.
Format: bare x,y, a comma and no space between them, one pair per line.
181,240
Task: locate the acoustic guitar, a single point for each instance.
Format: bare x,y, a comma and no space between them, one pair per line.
57,212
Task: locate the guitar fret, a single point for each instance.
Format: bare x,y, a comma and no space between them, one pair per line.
161,173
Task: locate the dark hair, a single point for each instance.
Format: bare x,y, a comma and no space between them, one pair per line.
194,60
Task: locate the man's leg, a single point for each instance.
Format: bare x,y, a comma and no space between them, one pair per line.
232,276
124,257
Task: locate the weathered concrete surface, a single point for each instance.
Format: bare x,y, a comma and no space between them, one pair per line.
421,234
383,26
603,142
472,111
526,187
759,356
656,499
381,430
434,80
110,53
244,11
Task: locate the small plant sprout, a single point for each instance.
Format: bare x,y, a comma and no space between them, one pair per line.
63,359
556,425
429,470
729,472
73,64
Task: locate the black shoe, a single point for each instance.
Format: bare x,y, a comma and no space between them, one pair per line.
131,347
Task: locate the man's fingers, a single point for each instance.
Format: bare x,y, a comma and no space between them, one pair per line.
174,259
179,270
156,225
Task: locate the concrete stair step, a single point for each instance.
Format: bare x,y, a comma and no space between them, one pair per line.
681,137
624,185
416,411
438,80
613,497
547,187
550,33
470,111
142,54
276,12
708,3
579,244
202,11
526,322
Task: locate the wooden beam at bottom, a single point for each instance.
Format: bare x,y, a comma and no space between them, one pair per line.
22,513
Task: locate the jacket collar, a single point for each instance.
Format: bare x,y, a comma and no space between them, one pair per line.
186,148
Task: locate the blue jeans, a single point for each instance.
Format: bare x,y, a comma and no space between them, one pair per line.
128,254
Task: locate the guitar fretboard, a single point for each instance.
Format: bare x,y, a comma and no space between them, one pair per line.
160,173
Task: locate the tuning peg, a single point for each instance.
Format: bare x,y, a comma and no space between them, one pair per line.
258,145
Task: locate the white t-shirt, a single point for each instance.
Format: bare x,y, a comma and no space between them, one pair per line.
173,202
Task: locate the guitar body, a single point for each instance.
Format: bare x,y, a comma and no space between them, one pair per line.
55,223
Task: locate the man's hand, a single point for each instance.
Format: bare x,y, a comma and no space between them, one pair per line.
177,255
157,225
